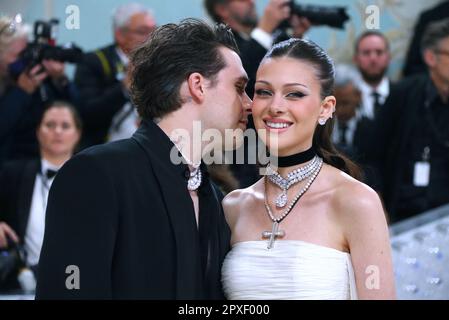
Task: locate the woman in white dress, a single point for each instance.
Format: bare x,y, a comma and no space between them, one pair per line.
309,229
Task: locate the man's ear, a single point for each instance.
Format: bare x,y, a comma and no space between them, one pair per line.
196,85
328,107
429,57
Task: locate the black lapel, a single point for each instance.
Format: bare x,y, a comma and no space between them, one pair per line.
213,245
26,194
207,207
172,181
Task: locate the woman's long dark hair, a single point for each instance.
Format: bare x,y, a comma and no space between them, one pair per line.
310,52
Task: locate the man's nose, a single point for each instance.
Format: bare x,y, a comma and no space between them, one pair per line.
247,104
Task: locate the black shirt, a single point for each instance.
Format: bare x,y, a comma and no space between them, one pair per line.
430,130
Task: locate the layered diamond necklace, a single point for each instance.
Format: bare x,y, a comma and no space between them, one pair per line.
309,171
293,177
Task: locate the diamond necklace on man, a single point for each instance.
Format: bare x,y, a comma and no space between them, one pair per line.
275,232
195,177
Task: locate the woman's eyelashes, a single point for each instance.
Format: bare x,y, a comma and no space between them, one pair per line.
292,94
296,94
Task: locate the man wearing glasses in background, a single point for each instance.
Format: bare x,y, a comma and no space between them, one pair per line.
102,78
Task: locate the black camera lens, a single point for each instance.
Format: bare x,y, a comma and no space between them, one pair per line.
332,16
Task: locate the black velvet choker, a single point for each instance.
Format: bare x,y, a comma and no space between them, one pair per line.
297,158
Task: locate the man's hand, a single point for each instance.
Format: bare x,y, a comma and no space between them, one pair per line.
30,81
5,233
300,25
275,12
55,69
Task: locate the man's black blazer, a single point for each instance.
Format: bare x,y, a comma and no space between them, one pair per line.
122,215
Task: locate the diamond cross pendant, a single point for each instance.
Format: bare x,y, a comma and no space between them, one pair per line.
275,232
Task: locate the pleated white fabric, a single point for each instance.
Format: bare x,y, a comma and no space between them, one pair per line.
292,270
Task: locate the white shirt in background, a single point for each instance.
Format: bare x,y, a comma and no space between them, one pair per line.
34,234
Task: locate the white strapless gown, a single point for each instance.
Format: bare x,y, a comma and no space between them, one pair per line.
292,269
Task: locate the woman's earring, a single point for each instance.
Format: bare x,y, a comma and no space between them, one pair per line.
322,121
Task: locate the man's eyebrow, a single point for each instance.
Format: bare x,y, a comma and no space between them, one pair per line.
242,79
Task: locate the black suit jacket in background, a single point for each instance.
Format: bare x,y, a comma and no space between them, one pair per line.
16,192
101,93
394,123
122,214
17,181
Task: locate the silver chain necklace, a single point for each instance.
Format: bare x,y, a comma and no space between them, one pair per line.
293,177
275,232
195,177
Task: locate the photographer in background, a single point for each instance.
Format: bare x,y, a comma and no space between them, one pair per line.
23,96
102,77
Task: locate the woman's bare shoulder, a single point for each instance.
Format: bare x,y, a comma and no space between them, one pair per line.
239,200
241,197
354,200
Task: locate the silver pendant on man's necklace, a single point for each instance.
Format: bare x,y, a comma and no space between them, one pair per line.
195,180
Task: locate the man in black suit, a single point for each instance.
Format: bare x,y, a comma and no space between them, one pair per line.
101,77
372,57
127,220
413,135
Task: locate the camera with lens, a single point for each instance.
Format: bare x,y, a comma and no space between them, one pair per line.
44,47
332,16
